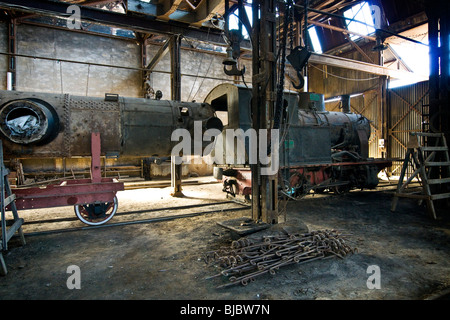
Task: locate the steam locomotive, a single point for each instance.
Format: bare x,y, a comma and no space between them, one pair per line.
319,150
48,125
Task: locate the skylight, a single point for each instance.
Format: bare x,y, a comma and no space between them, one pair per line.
360,12
312,32
233,19
414,55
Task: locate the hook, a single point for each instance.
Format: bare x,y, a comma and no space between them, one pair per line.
233,71
301,79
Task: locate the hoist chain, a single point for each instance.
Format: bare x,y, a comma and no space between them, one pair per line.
287,31
291,25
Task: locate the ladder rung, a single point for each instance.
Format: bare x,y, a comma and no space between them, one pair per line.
9,199
10,232
434,148
5,171
412,195
440,196
437,164
438,181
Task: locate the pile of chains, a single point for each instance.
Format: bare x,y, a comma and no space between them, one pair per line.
247,259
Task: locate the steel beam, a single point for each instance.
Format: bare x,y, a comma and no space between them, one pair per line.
346,31
160,54
129,20
340,62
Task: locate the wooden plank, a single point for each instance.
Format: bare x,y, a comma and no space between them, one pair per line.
412,195
17,224
434,148
345,31
428,134
9,199
345,63
438,181
437,164
440,196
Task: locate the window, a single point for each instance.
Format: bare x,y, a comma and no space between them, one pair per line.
233,19
414,55
312,32
360,12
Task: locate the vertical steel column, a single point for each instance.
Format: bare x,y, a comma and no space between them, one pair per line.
433,36
142,38
256,122
438,13
264,187
444,22
175,82
382,132
306,40
12,49
382,116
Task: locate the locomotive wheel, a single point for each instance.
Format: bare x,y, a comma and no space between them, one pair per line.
341,189
95,214
319,190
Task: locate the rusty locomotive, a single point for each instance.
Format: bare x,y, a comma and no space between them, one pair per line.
48,125
319,150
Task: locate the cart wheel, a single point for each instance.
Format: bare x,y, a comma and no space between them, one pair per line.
95,214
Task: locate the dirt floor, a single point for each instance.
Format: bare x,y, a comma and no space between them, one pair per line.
165,259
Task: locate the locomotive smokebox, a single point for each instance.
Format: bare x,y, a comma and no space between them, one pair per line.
27,121
60,125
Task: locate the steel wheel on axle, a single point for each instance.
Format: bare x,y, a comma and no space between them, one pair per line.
95,214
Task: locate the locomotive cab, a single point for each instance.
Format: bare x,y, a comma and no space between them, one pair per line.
319,150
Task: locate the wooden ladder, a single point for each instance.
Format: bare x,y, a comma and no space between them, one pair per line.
9,227
423,161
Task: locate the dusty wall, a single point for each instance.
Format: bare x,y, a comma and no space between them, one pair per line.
77,79
39,75
195,66
334,81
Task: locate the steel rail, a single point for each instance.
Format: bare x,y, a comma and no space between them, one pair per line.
142,221
133,212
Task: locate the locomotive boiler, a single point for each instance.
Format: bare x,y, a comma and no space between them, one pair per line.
60,125
319,150
48,125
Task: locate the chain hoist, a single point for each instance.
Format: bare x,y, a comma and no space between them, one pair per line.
287,30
